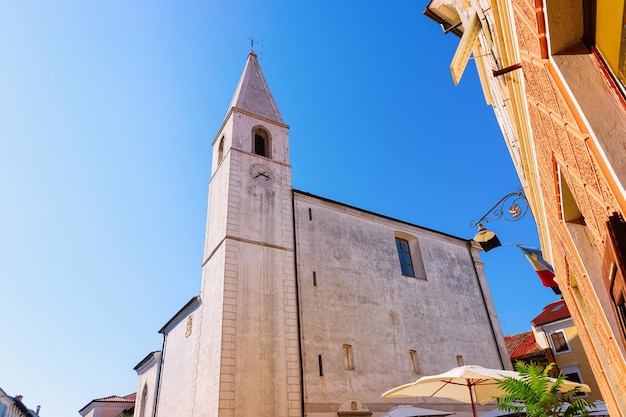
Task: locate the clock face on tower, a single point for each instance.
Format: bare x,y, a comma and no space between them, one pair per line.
261,174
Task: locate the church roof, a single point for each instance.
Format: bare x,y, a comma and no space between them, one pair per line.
253,95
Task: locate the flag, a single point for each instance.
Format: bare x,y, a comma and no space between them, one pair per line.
543,269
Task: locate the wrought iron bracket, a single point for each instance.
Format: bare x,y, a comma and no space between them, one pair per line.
517,208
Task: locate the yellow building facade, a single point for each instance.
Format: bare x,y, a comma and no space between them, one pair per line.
554,73
554,331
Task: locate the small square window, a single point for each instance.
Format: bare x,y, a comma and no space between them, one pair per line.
559,341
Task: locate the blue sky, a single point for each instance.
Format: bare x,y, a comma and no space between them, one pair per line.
107,114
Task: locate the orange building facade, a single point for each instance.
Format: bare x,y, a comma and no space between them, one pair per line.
554,73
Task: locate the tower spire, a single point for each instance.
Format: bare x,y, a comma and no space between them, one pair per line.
253,94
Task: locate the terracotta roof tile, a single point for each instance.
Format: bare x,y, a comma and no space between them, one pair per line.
552,312
522,345
130,398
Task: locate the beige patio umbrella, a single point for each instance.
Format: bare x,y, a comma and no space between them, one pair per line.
469,384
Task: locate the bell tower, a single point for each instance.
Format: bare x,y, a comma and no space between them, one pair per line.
249,360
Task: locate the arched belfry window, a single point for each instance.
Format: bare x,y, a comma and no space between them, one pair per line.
220,150
261,142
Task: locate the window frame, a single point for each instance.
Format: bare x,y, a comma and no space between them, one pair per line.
415,365
402,255
348,358
220,151
574,370
562,334
613,267
264,135
415,252
189,325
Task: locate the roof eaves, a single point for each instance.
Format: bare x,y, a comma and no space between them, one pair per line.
195,301
447,26
148,357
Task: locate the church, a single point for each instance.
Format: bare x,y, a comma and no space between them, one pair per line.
309,306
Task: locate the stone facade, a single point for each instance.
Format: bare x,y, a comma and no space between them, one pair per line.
563,117
365,326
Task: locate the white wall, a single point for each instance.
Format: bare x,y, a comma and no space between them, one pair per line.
178,369
362,299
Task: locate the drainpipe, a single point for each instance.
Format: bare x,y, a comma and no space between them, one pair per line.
295,269
157,389
482,295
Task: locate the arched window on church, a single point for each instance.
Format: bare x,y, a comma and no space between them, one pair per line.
144,400
261,145
220,151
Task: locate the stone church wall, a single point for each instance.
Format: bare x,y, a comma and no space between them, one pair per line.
353,293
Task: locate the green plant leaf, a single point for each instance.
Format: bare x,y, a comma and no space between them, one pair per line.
538,395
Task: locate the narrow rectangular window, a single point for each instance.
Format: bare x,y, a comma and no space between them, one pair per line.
559,342
319,360
404,255
310,214
348,362
314,279
414,364
459,360
189,326
220,151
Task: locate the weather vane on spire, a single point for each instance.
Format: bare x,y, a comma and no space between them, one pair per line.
252,42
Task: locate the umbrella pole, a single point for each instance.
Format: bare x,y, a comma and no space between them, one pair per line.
471,393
